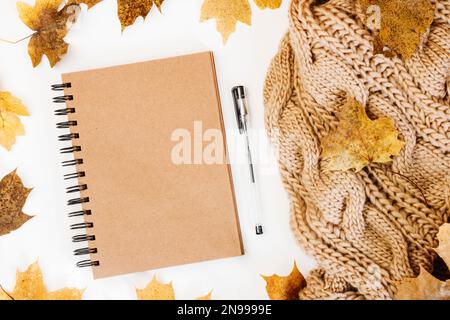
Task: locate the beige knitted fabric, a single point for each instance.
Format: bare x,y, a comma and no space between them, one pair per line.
370,228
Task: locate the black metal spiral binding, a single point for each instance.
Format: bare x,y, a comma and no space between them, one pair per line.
75,175
68,137
70,163
64,112
85,251
61,87
66,124
78,188
78,174
80,213
62,99
70,149
83,238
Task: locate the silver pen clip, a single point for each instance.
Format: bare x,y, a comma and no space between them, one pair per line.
240,107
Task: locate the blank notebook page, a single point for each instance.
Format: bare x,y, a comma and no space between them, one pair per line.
148,212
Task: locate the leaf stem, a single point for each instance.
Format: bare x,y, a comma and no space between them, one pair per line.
414,184
17,41
1,288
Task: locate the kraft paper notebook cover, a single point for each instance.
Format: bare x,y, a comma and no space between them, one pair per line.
141,211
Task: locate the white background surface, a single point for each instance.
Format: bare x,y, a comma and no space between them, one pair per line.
97,41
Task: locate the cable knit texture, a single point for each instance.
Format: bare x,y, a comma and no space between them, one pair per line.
371,228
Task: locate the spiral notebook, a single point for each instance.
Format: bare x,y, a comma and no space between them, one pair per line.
134,209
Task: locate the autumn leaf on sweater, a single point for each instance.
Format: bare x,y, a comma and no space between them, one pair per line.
285,288
402,24
130,10
13,196
272,4
30,286
227,14
10,109
358,140
51,25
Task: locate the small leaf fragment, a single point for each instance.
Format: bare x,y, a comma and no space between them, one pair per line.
424,287
13,196
227,14
156,290
272,4
129,10
30,286
285,288
89,3
359,141
207,297
444,243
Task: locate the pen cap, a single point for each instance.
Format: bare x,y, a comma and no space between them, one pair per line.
239,106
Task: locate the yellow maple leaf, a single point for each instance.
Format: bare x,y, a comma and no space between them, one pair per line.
207,297
285,288
272,4
156,290
10,125
358,140
130,10
50,24
402,24
30,286
227,14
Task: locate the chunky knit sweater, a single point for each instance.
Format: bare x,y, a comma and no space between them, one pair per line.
367,229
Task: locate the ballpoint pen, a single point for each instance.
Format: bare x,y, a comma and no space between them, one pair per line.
240,106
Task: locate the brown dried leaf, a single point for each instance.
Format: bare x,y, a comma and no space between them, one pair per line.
10,125
424,287
402,26
227,14
89,3
130,10
13,196
156,290
51,26
285,288
444,243
358,140
30,286
272,4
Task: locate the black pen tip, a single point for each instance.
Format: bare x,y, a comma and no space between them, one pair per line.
259,230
